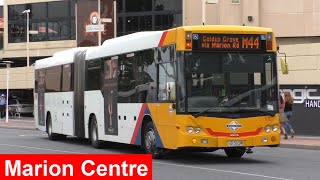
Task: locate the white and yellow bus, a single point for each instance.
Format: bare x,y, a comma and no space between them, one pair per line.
194,87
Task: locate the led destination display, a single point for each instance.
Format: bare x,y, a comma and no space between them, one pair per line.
238,42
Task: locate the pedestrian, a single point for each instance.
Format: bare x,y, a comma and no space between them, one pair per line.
283,117
288,111
3,103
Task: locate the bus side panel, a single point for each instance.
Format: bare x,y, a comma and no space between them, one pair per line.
166,124
129,118
53,105
93,103
130,123
67,113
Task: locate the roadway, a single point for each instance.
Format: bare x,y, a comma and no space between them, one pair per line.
264,163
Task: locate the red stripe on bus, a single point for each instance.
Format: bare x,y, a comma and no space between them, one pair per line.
212,133
136,129
163,37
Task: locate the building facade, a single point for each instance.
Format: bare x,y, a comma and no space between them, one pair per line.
66,24
1,26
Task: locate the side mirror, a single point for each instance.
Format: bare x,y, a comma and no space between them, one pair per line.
284,66
171,91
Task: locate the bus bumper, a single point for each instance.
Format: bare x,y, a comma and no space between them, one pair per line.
223,142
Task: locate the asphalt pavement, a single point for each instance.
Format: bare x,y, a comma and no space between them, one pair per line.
298,142
265,163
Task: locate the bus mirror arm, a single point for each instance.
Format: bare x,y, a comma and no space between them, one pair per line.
283,61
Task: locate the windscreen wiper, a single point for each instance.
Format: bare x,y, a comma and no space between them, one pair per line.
200,113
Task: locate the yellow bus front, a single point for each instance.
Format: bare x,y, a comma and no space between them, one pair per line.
226,89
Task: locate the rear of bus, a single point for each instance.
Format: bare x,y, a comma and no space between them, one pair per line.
227,88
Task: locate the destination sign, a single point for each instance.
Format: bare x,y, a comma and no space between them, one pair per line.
222,42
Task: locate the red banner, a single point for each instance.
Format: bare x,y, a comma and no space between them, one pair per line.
75,166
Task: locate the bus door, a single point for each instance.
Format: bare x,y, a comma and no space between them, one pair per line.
165,120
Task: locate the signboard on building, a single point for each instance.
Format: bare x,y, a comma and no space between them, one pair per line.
306,108
88,22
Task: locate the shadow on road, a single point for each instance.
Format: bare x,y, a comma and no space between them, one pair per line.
210,158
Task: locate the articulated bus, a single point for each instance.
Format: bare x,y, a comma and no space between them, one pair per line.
199,88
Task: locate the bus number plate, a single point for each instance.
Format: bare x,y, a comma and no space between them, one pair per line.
235,143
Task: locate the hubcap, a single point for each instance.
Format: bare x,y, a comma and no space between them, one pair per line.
150,140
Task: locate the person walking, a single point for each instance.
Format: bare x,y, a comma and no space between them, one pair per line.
3,103
283,117
288,111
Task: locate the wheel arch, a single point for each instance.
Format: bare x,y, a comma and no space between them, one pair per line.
146,119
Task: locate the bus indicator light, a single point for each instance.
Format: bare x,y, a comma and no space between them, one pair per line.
188,45
188,40
269,41
188,36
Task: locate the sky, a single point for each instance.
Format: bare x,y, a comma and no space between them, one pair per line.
1,2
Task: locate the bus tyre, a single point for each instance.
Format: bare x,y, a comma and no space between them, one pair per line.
235,152
149,141
53,136
94,138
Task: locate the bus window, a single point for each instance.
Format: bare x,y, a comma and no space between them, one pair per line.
146,68
167,73
67,78
127,80
93,75
53,79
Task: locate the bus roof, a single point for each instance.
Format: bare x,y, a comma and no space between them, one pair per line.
59,58
140,41
126,44
229,29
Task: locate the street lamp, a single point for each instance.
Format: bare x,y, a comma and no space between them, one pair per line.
27,11
8,64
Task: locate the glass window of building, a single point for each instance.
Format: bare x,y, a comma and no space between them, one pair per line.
148,15
53,21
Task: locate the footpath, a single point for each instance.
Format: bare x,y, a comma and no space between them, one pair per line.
18,123
298,142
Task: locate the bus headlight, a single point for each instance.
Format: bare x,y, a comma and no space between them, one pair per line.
197,130
190,130
267,129
275,128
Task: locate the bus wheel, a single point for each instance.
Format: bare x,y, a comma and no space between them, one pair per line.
235,152
94,138
53,136
149,144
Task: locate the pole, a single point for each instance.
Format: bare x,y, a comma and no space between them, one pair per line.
7,107
28,58
99,24
115,18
